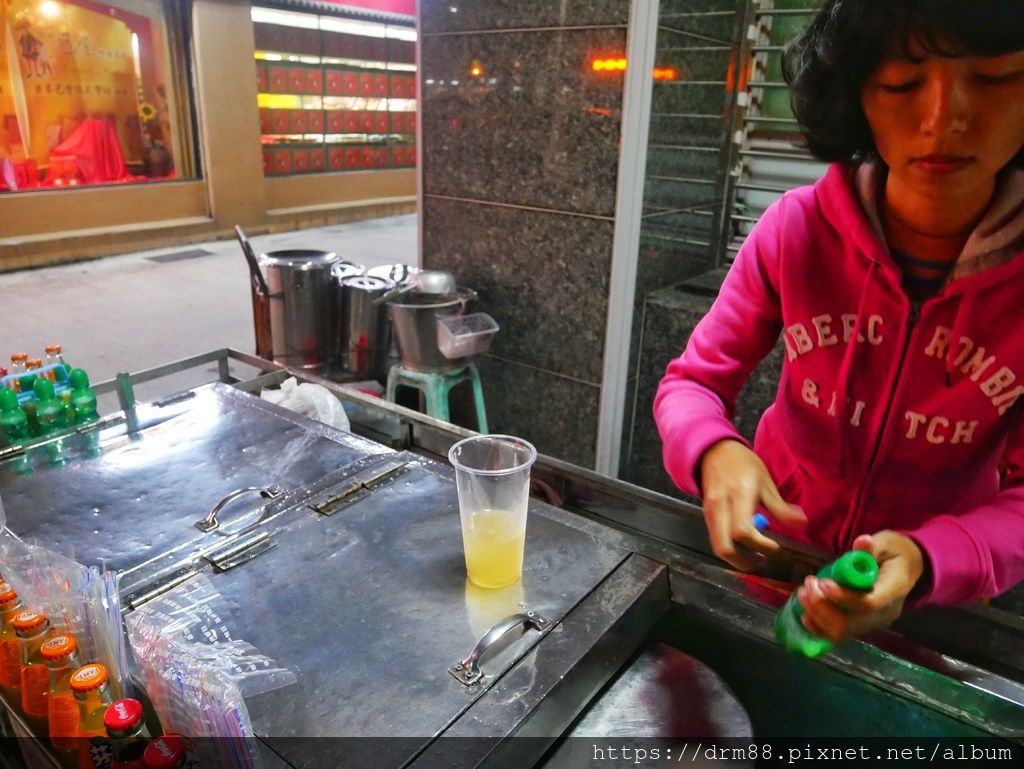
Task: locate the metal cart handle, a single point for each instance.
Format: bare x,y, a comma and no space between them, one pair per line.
467,670
210,522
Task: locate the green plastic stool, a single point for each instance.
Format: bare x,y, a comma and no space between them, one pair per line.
436,388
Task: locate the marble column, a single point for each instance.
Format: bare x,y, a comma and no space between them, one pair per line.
520,140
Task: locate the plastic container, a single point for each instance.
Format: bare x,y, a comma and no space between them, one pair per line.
461,336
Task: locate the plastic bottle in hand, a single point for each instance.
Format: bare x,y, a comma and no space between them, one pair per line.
856,570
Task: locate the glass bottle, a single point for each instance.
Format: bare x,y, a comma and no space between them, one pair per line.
32,630
18,367
125,721
10,647
167,752
89,684
54,355
60,653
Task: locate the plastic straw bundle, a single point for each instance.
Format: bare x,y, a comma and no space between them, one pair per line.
197,674
79,599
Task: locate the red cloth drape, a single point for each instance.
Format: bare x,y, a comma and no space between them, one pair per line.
97,153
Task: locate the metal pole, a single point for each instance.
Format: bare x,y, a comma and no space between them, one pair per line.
641,41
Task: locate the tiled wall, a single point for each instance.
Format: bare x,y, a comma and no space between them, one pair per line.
519,177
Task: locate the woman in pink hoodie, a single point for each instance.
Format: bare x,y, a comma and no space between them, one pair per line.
897,285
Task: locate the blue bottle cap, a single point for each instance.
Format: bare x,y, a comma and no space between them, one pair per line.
760,522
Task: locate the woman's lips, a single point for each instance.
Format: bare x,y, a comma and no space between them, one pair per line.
942,164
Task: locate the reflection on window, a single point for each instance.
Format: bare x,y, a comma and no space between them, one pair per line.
335,94
85,94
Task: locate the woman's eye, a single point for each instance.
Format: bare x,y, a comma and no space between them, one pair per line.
906,87
1008,77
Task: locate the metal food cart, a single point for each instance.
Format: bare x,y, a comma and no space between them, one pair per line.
342,553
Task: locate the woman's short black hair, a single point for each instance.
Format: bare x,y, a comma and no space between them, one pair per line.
827,65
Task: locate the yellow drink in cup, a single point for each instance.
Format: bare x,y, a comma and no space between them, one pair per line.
492,473
494,541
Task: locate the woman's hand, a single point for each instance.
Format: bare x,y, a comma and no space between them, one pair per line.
735,483
836,613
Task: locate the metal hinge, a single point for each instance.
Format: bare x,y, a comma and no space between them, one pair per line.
151,590
240,551
360,486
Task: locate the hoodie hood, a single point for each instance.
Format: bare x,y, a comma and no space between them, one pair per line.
997,238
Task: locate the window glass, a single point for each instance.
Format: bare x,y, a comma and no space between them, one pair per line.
335,94
88,94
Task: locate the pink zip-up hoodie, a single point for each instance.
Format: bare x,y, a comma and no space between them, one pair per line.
888,415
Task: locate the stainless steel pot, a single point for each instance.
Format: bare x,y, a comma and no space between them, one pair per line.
414,319
303,314
365,331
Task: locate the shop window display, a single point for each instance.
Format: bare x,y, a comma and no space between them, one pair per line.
335,94
87,94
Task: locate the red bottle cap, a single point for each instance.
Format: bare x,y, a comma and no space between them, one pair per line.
123,716
164,753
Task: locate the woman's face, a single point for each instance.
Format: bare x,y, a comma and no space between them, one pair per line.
946,126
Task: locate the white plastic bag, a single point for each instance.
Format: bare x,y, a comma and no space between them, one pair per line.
310,400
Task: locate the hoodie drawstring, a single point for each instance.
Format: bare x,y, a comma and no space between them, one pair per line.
843,378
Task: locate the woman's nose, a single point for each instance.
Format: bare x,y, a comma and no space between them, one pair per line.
945,106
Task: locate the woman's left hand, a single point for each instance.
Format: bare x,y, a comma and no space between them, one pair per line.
836,613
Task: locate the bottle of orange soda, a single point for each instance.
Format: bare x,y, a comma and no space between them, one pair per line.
89,684
10,647
60,653
33,629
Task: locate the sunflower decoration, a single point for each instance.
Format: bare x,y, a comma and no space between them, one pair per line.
147,112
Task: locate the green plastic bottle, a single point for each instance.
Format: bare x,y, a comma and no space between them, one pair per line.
13,421
83,399
856,570
49,411
27,385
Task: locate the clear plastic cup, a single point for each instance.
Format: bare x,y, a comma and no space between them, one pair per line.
492,473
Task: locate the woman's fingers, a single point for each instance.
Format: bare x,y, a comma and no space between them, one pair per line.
774,503
746,499
833,622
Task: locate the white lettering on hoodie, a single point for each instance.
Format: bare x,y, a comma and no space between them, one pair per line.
975,362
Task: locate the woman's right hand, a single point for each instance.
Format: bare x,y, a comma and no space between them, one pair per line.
736,483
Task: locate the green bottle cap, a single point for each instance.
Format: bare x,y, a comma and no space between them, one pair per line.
856,570
79,379
8,400
27,382
43,389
